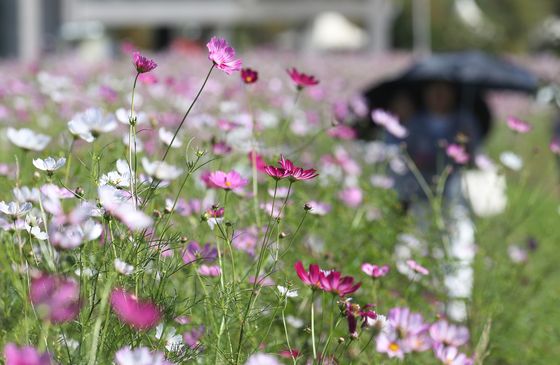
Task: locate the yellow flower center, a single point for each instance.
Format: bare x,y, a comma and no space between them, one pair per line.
228,183
394,347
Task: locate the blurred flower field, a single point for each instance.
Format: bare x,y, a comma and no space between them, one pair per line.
216,208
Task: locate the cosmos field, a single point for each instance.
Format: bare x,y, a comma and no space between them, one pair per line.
219,208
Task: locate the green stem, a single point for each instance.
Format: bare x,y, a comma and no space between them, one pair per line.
98,322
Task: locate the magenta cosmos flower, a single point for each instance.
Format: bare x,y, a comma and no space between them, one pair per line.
334,282
223,55
375,271
249,76
139,314
227,180
555,145
311,277
300,79
143,64
518,125
55,298
25,356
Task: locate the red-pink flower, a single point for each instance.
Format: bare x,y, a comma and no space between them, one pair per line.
518,125
26,355
143,64
55,298
333,282
300,79
375,271
458,153
249,76
311,277
227,180
223,55
257,160
137,313
287,169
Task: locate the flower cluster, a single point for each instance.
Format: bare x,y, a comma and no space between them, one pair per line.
331,281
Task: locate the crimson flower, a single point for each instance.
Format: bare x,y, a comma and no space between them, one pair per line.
258,160
143,64
136,313
300,79
276,173
249,76
223,55
311,277
353,312
333,282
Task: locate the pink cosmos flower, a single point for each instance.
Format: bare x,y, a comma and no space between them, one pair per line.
417,267
249,76
143,64
210,270
555,146
277,173
351,196
390,344
55,298
333,282
289,170
311,277
192,337
26,355
139,314
451,355
390,122
227,180
518,125
458,153
140,356
343,132
405,332
300,79
223,55
449,334
375,271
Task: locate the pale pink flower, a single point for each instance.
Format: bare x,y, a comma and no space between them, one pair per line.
518,125
390,122
457,153
55,298
351,196
210,270
417,267
227,180
223,55
375,271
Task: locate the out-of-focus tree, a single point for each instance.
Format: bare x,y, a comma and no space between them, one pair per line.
493,25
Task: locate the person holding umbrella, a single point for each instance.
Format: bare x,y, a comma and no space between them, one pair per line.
449,126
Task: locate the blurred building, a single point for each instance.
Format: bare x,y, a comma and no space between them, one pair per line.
34,26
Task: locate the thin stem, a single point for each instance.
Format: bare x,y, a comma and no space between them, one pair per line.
313,325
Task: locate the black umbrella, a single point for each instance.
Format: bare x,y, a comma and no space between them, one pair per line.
472,73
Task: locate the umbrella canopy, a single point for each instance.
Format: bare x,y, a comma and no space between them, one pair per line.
471,73
475,69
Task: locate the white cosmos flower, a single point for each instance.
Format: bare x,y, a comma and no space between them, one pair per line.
123,268
15,210
140,356
115,203
25,194
119,178
167,136
287,292
161,170
27,139
91,123
49,164
123,116
511,160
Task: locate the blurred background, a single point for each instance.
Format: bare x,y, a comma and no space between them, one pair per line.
29,28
